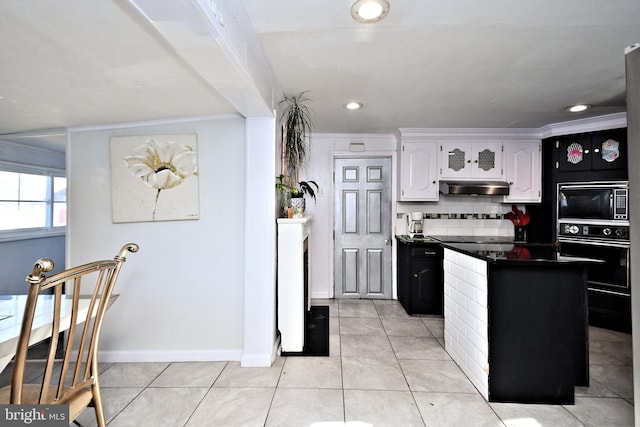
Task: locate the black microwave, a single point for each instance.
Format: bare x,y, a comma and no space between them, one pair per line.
605,200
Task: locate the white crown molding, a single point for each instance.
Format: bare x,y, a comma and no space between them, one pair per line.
591,124
153,123
15,152
469,134
356,137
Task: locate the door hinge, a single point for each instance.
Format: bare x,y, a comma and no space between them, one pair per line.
557,143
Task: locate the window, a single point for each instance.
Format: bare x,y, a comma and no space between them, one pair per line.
32,201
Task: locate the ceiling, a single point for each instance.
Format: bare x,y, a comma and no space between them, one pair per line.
428,64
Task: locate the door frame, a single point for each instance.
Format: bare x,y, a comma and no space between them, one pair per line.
394,198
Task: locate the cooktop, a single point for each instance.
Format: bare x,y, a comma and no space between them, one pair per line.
473,239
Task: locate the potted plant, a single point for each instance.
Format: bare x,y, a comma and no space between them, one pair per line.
296,117
297,123
292,195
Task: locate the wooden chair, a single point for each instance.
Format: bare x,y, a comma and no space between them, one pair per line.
73,379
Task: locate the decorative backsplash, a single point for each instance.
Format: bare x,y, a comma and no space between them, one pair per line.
459,216
427,215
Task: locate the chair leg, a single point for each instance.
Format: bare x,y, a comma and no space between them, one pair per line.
97,403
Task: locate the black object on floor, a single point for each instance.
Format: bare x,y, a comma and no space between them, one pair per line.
316,342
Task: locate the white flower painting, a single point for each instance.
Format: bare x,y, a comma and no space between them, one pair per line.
154,178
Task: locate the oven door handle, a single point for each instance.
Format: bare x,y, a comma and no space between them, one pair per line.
611,197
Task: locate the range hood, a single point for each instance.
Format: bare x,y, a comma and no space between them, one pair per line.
475,188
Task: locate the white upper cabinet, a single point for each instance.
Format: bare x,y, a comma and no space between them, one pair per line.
427,157
418,171
471,160
523,170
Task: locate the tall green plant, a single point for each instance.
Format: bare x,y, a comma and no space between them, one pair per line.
296,117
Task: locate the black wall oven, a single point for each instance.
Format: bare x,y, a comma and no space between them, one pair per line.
594,213
611,275
602,201
592,221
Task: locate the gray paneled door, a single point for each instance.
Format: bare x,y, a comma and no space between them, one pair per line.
362,233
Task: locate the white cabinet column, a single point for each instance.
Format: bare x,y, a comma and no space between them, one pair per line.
294,298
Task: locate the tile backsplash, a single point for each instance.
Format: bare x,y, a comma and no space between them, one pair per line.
459,216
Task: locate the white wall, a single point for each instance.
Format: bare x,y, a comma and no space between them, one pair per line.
324,147
260,245
182,294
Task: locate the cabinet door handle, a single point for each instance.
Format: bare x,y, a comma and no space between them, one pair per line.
429,253
415,275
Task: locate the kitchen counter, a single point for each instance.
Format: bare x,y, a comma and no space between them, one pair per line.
517,327
497,249
408,240
516,319
517,253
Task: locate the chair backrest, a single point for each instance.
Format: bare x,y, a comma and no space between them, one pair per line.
80,315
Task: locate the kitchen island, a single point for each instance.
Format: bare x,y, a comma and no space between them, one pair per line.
516,320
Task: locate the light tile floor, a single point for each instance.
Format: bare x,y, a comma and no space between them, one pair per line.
385,369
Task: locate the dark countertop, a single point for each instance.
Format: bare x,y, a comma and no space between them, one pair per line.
416,240
500,250
518,253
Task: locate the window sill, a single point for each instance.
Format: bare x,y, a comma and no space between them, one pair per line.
10,236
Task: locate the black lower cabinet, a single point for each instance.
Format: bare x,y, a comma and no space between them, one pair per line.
610,311
538,333
420,288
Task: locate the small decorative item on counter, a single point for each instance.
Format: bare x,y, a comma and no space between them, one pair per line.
292,195
520,220
519,252
517,217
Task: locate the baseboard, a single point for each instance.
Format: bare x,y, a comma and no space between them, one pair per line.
246,360
170,356
320,295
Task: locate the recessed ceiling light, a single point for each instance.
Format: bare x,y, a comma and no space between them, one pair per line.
369,10
353,105
578,108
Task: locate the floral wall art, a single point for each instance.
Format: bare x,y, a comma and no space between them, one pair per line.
154,178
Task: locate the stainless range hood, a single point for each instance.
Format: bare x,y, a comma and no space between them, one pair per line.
475,188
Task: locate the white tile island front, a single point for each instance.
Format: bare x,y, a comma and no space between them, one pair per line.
465,316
